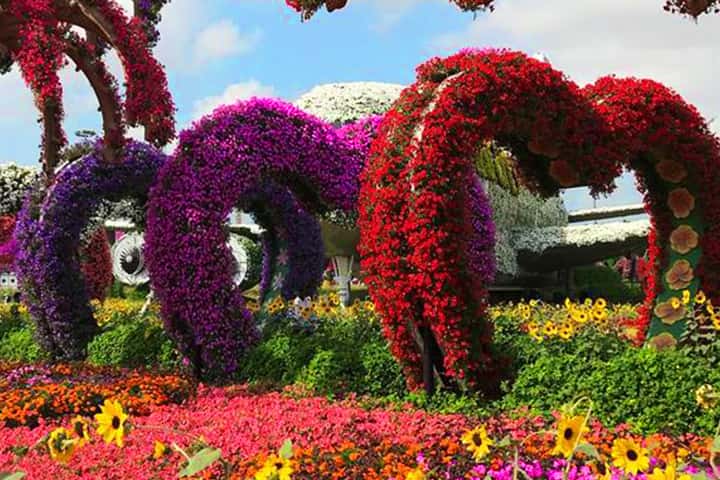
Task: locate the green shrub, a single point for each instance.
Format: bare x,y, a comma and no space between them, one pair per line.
382,374
18,345
133,344
651,390
603,281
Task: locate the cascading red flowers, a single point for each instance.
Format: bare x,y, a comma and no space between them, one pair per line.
38,34
411,196
96,265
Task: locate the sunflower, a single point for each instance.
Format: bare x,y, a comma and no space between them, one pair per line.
549,329
477,442
111,420
700,297
670,472
62,445
159,450
686,297
565,331
416,474
630,456
81,428
716,320
569,431
275,468
600,303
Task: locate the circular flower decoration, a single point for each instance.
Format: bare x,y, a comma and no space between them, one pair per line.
664,341
670,311
680,275
681,202
684,239
671,171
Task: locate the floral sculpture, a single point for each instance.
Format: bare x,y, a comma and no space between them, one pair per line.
692,8
48,236
37,35
421,263
258,149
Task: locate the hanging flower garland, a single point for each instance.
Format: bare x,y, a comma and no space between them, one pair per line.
48,235
221,162
562,136
36,33
693,8
7,247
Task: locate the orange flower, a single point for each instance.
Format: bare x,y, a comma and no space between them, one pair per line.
671,171
683,239
669,313
680,275
681,202
663,341
564,173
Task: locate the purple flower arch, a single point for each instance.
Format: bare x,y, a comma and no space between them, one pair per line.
263,154
48,237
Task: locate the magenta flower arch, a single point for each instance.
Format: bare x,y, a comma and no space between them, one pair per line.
264,155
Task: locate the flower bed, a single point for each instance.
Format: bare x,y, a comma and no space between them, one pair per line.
29,394
343,441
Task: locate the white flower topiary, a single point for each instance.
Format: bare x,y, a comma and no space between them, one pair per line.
14,183
341,103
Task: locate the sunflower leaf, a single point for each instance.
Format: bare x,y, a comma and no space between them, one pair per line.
286,451
12,476
589,450
200,461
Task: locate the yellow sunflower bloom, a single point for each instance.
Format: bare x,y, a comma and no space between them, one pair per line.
81,429
600,303
159,450
62,445
686,297
675,303
568,303
549,329
477,442
416,474
565,331
275,468
630,456
570,429
716,320
700,297
670,472
111,422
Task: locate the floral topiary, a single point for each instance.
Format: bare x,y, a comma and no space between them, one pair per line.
48,235
420,166
225,160
96,265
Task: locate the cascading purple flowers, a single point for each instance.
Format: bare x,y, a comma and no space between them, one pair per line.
220,163
480,238
48,235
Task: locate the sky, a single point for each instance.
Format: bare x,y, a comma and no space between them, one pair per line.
220,51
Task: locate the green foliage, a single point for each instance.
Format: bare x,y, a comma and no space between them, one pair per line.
133,344
18,345
344,354
651,390
605,282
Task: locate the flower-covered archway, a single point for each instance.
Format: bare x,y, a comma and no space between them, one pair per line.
37,35
48,236
414,191
273,159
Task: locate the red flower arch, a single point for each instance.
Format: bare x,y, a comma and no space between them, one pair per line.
36,34
419,166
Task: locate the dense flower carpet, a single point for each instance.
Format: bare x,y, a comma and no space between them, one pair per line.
338,440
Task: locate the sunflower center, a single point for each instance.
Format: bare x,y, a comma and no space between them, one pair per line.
116,423
78,429
632,455
477,439
278,465
568,433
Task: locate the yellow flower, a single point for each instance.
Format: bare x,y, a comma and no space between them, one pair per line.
159,450
630,456
675,302
569,431
686,297
568,303
700,297
81,428
670,472
565,331
716,320
600,303
111,421
477,442
549,329
275,468
61,445
599,314
706,396
709,307
416,474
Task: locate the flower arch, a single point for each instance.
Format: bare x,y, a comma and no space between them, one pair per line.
256,152
48,236
36,34
414,190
